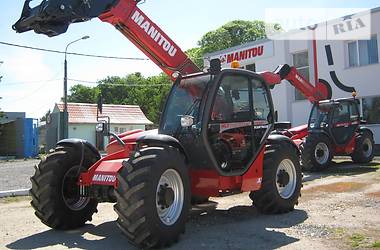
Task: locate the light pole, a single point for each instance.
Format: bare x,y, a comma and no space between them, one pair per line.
65,125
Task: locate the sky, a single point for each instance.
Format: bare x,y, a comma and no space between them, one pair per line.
33,80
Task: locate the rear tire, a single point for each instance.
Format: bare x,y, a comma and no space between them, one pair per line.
316,152
55,194
364,148
153,197
282,180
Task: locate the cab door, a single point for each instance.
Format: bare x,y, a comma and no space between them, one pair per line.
237,123
345,121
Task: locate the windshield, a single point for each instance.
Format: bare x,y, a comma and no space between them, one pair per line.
185,99
319,117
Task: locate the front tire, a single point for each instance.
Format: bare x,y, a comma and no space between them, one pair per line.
364,148
282,180
316,152
55,193
153,197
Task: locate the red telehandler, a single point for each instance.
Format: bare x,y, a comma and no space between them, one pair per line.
334,128
214,139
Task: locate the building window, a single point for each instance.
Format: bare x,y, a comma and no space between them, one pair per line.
116,130
251,67
301,63
122,130
371,109
363,52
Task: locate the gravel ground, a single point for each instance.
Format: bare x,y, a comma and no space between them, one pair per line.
15,174
339,209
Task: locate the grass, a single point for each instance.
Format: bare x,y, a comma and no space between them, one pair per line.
339,232
356,239
376,244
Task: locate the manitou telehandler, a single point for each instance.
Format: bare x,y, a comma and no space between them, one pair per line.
214,139
334,129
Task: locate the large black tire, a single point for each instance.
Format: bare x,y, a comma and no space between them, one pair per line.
55,194
316,152
143,195
364,148
279,192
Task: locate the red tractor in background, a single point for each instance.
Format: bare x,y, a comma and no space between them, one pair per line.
334,129
200,149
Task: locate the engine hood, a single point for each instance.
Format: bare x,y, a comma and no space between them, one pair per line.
129,138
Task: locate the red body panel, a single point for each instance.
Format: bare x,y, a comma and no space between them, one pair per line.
210,183
149,38
203,182
298,133
104,171
129,139
346,149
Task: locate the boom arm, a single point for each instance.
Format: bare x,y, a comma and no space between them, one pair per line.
52,18
320,91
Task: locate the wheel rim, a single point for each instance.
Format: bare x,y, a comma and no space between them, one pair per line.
286,178
321,153
169,197
71,190
367,147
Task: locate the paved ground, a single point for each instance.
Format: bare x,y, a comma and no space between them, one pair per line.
339,209
15,174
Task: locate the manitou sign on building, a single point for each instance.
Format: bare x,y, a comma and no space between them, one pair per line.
347,65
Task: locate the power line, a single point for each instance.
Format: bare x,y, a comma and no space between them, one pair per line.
29,82
119,84
75,54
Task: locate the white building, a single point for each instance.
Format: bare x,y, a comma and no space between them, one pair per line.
83,118
354,62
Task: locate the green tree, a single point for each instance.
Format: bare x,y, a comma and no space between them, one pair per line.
44,118
134,89
83,94
230,34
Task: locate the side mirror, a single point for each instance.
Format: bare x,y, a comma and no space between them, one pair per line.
102,127
187,121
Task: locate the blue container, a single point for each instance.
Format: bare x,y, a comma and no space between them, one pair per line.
30,137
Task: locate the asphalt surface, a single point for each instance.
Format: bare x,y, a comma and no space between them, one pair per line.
15,174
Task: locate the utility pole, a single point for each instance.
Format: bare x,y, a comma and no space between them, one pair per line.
65,123
1,62
1,113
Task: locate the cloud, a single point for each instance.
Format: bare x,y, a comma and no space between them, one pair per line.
22,87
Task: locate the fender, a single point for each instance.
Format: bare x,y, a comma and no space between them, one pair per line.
363,129
80,145
161,139
282,140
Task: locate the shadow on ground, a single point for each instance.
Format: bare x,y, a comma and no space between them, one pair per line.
239,227
342,168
